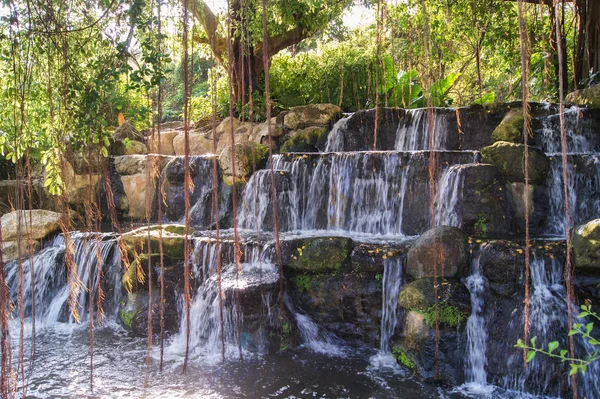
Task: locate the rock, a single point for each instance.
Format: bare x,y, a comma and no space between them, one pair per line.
173,240
83,165
420,296
140,190
508,158
502,263
538,206
589,97
10,188
132,147
415,328
586,245
311,115
130,164
318,255
303,140
243,161
10,249
370,258
127,131
483,210
164,141
450,253
262,130
511,127
199,144
79,188
42,223
224,128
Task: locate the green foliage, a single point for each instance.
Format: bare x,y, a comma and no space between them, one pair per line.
579,329
303,282
447,314
286,332
402,358
481,226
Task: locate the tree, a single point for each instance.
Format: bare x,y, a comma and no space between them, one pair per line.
289,22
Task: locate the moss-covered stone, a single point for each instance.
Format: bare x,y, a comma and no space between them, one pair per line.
589,97
403,359
303,140
173,240
246,155
444,245
511,127
131,307
311,115
586,245
508,158
320,255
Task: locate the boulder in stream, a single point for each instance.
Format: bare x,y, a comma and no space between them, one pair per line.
446,244
509,160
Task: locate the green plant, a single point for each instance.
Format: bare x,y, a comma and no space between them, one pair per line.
583,330
286,331
402,358
446,314
379,277
481,225
303,282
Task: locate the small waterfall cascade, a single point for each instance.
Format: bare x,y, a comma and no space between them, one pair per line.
449,196
413,131
208,328
476,361
314,338
98,265
336,139
256,208
548,321
392,283
362,192
584,191
579,140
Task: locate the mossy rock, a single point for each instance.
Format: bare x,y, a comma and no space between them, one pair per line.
586,245
453,306
244,161
173,241
511,127
508,158
304,140
589,97
443,244
319,255
132,307
311,115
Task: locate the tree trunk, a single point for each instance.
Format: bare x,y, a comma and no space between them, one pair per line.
587,52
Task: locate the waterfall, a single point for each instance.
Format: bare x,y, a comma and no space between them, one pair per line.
335,139
476,375
256,208
448,197
206,331
578,139
95,257
584,191
413,131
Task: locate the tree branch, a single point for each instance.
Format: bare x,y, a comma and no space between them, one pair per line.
210,23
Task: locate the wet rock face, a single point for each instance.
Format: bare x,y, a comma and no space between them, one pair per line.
589,97
311,115
318,255
446,244
586,245
511,127
508,158
34,225
248,156
359,132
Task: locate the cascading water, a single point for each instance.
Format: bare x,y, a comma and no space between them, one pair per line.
392,282
256,208
335,139
476,362
449,196
362,192
95,256
207,329
413,131
580,139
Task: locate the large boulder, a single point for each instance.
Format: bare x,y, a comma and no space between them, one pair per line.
246,155
586,245
226,125
130,164
511,127
127,131
311,115
453,299
128,147
171,235
318,255
303,140
589,97
448,251
79,188
508,158
42,223
199,144
162,144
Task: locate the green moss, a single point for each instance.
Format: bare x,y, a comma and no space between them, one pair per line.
304,137
447,314
286,332
303,282
511,127
402,358
321,255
